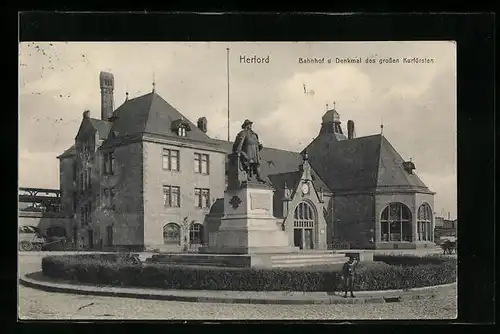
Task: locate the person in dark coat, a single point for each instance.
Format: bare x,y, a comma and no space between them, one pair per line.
248,147
348,271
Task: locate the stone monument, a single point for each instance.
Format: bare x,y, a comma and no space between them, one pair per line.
248,225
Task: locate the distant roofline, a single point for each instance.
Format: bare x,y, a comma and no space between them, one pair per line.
266,147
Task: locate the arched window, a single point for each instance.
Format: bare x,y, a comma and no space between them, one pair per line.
424,223
303,226
172,234
395,223
304,212
196,234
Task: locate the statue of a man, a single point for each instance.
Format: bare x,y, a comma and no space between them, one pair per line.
248,147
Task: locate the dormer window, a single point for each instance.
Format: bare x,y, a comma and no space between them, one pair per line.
181,127
409,166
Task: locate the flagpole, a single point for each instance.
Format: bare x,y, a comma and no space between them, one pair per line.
227,69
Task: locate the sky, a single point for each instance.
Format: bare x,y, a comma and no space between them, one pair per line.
416,102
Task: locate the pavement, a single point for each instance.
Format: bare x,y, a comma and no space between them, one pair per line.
38,281
39,304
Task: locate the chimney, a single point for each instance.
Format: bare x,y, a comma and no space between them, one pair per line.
86,114
107,83
449,218
350,129
202,124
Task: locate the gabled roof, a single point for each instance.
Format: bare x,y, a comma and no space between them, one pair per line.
70,152
151,114
359,164
102,127
293,178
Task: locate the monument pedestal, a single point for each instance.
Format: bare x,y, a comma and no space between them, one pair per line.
248,225
250,236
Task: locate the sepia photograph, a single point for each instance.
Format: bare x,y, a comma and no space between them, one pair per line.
237,180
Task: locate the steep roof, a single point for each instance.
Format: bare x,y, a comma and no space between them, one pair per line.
390,170
151,114
361,163
101,126
70,152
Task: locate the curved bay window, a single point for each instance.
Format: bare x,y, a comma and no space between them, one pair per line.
395,223
424,223
196,234
303,226
172,234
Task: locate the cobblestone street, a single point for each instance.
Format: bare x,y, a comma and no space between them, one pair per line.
35,304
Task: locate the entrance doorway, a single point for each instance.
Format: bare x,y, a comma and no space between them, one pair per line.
303,238
303,226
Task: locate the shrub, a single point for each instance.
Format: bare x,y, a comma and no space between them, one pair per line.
113,269
411,260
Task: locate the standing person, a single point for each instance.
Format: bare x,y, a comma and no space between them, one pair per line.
348,273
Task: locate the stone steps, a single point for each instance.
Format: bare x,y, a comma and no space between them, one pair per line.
305,259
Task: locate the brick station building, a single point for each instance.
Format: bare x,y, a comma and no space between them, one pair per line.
143,176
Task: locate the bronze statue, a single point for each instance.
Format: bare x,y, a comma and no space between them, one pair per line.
245,157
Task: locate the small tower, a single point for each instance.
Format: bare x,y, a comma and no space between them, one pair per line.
331,124
305,168
107,83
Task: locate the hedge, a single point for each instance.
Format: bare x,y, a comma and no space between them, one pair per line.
116,270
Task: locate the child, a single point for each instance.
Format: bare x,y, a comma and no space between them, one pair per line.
348,273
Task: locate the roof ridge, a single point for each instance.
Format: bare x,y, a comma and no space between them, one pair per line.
127,102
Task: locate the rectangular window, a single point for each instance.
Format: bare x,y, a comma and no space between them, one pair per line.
201,163
197,163
166,196
170,160
112,194
202,198
171,196
108,163
81,182
111,162
205,198
108,195
204,163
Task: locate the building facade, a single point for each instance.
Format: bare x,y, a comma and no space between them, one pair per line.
144,176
